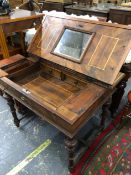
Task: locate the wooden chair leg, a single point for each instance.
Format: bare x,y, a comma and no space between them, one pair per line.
71,147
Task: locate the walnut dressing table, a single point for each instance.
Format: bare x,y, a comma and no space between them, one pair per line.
16,21
73,70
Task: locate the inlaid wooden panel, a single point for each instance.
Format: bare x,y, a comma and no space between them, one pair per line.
3,73
104,56
48,91
109,44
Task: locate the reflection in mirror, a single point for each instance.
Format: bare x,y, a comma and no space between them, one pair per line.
72,44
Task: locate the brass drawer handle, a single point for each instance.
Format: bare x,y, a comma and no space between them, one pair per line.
22,98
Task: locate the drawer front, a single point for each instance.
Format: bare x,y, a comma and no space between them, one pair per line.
17,93
23,96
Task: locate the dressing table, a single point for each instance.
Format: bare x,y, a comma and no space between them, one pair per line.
72,71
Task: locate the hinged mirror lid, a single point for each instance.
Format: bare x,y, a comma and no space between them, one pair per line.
93,48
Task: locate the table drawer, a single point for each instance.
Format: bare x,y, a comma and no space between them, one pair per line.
15,91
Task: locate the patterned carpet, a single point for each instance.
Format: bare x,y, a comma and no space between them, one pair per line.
110,154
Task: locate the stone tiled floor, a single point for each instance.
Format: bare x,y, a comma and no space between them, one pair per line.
18,143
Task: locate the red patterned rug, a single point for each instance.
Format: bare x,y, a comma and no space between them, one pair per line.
110,153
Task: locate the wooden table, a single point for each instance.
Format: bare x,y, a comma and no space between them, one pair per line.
63,89
86,10
17,21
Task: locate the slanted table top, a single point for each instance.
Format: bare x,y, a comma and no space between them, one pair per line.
107,46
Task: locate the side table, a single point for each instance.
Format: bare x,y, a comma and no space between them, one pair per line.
17,21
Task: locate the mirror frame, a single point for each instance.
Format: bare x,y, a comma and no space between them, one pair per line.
69,57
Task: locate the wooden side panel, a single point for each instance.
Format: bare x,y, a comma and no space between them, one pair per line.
3,73
103,58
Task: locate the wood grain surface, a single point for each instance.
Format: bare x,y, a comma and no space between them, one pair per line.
103,58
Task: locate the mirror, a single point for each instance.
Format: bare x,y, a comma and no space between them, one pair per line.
72,44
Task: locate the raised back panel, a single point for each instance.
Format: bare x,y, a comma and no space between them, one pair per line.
103,57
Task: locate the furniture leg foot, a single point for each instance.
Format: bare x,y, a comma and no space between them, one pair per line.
71,146
11,104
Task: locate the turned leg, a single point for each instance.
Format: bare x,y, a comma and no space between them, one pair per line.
11,104
71,146
117,96
105,113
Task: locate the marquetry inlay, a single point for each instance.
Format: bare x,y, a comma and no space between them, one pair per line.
103,52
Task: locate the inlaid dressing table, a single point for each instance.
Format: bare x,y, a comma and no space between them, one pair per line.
17,21
73,69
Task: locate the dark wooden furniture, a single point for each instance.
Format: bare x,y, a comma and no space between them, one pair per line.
54,6
120,15
84,2
86,10
31,5
17,21
117,96
72,71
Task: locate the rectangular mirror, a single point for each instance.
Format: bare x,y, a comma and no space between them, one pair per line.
72,44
